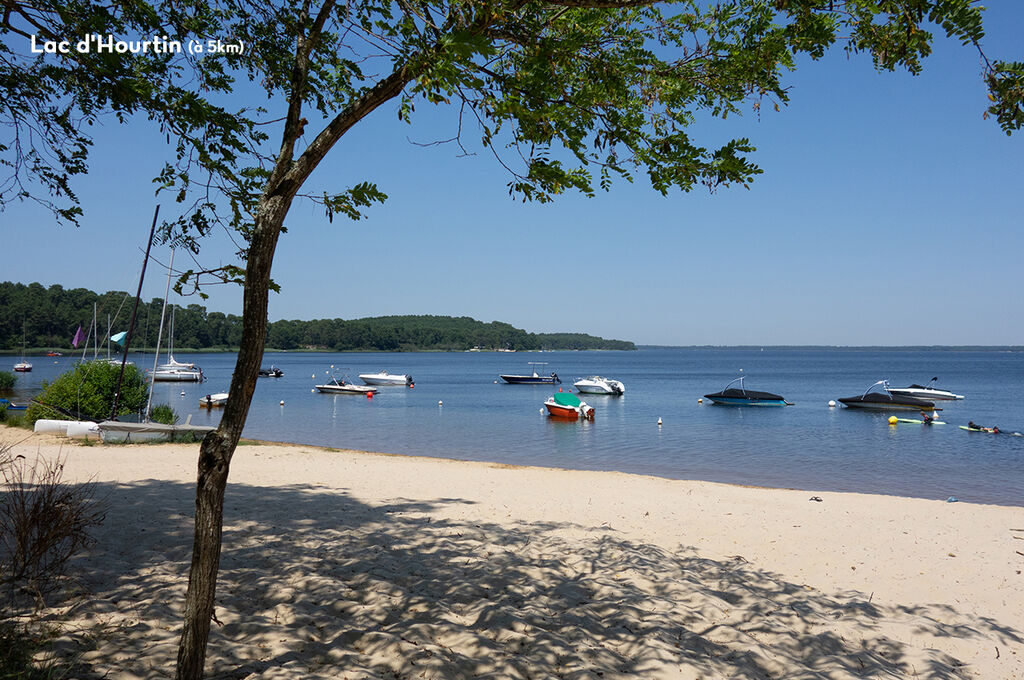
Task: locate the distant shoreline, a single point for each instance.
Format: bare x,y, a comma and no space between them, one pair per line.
856,348
37,352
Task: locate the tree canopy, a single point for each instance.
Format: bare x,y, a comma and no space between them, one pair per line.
49,316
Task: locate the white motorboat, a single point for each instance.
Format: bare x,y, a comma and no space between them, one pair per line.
928,391
342,387
385,378
595,384
213,400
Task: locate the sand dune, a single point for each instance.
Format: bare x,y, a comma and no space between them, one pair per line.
342,564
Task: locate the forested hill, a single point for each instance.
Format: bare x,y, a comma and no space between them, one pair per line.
49,317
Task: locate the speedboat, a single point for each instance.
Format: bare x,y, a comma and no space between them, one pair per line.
568,405
272,372
926,392
741,396
212,400
532,379
884,400
595,384
385,378
342,387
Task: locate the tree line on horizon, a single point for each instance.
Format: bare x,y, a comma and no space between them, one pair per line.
49,317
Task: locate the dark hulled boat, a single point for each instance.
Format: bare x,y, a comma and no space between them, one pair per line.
532,379
741,396
884,400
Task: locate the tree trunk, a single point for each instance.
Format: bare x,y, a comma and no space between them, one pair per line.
218,447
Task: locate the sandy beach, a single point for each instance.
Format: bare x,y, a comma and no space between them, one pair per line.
343,564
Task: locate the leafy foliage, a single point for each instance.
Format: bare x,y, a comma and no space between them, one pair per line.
50,100
88,390
53,313
568,95
163,413
6,380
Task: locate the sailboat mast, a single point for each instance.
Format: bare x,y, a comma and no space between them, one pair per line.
135,309
159,336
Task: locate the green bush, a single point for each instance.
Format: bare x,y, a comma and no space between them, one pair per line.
162,413
88,391
7,380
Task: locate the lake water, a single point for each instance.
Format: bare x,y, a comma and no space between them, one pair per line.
805,446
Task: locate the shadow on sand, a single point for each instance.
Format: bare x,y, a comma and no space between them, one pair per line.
317,584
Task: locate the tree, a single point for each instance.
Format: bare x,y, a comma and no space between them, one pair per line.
567,94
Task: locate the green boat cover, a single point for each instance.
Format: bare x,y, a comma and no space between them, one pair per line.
567,399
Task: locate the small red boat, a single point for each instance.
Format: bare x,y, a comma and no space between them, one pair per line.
567,405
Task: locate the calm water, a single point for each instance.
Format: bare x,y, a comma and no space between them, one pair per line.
805,446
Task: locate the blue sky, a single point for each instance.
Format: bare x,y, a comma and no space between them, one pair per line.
889,213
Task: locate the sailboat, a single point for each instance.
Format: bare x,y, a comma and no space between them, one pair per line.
23,366
173,370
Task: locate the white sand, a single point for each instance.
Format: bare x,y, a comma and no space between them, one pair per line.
356,565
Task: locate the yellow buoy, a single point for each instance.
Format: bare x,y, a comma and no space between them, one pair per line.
893,420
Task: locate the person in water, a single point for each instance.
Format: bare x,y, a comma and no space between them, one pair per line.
972,426
927,419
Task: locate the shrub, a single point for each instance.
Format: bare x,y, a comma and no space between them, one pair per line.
162,413
44,522
7,380
88,391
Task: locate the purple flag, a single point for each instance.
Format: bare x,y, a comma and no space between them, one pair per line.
79,337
